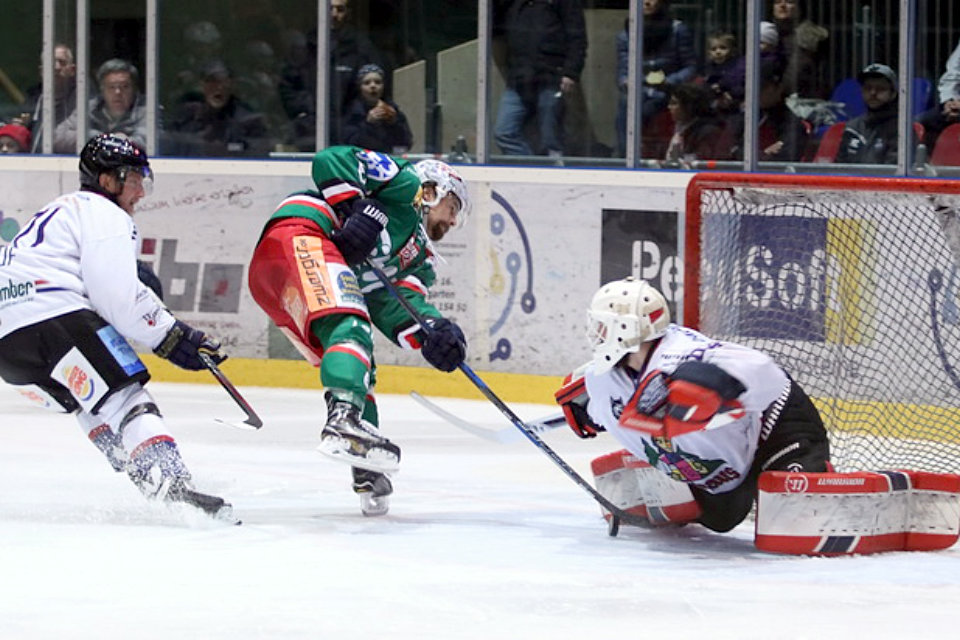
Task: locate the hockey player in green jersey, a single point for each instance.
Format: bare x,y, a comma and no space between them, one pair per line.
309,272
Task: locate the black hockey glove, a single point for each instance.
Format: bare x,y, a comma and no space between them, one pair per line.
360,233
146,275
444,347
183,345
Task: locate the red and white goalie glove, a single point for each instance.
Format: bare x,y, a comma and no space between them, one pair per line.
572,398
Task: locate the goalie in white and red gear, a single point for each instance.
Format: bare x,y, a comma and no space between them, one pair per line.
706,423
706,413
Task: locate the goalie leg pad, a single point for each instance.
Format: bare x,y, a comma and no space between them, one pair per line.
857,513
639,489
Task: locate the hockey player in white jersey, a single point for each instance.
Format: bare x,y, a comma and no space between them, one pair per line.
710,414
70,300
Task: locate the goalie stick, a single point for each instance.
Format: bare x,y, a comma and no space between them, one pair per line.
253,421
504,435
617,515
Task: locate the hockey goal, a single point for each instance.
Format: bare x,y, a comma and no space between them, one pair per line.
853,285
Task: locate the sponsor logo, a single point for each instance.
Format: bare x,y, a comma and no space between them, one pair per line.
616,407
796,484
14,290
78,382
349,288
408,253
151,318
680,465
723,477
311,272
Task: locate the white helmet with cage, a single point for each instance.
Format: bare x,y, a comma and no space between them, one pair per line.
445,180
622,315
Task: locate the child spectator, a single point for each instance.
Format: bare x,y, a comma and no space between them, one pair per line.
14,138
372,121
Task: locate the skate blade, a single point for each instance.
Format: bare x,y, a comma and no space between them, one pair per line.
375,460
372,506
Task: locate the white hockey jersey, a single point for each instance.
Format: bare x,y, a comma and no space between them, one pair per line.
79,252
716,460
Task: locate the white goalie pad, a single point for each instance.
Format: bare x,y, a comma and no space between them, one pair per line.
639,489
857,513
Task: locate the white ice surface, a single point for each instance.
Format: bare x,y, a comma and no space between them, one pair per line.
483,540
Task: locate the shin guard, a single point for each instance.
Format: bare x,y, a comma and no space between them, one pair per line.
857,513
639,489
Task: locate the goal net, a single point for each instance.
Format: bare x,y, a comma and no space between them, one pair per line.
853,286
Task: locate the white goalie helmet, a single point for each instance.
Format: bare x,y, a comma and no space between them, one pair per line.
446,180
622,315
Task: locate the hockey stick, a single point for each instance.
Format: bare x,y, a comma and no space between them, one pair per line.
253,421
617,514
505,435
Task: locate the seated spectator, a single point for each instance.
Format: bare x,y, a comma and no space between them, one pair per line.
731,86
669,58
14,138
871,138
781,135
801,46
64,101
214,122
120,107
949,85
697,133
938,118
372,121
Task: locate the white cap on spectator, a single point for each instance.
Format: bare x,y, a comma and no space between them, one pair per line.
877,70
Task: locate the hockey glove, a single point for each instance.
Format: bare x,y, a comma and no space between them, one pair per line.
697,392
360,233
444,347
573,398
146,275
183,345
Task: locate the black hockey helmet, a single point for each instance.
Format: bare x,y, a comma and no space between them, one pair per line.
112,153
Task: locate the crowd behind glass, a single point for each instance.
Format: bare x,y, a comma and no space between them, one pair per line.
240,80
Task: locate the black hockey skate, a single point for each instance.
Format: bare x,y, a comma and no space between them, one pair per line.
374,489
348,439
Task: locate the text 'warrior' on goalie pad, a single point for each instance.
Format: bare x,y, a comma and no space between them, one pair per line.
857,513
637,488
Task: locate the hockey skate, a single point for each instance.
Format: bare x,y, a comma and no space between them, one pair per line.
374,490
346,438
159,473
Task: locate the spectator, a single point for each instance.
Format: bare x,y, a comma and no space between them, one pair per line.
949,85
256,83
215,122
64,101
201,44
120,108
697,133
938,118
669,59
349,50
14,138
731,85
719,71
801,47
781,135
372,121
546,51
871,138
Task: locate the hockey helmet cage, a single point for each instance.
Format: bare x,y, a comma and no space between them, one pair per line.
445,180
113,153
622,315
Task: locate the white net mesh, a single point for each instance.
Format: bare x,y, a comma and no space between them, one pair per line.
857,294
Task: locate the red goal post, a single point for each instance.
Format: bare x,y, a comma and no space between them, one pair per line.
853,285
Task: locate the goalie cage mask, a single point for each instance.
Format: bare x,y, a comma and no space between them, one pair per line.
622,315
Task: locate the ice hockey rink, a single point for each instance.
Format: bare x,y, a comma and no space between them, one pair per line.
483,540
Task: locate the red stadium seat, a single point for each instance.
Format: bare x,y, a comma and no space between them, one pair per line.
946,152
